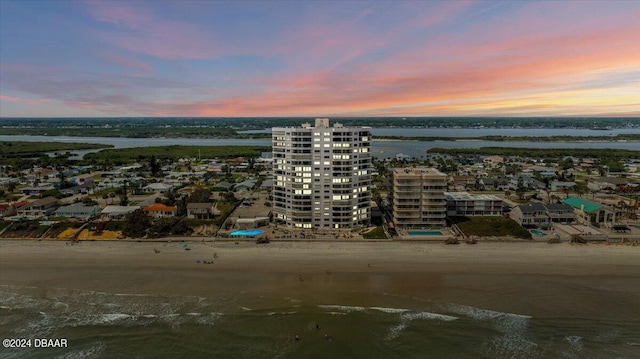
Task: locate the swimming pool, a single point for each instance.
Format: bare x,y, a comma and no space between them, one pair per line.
424,233
253,232
538,232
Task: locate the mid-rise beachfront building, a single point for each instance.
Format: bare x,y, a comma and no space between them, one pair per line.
418,198
322,175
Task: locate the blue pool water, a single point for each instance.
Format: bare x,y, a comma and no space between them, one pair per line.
252,232
537,232
424,233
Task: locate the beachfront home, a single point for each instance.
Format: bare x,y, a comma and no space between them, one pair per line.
200,210
560,213
160,210
588,212
40,208
117,213
7,210
251,223
77,210
530,215
540,215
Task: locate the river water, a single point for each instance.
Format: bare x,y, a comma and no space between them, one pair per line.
380,148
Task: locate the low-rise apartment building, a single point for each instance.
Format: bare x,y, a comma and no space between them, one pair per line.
467,204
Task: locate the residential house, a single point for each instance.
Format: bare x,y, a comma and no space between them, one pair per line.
214,167
461,182
7,210
83,180
75,190
117,213
77,210
495,183
5,181
544,172
158,187
265,158
267,184
35,191
245,185
159,210
607,184
493,160
40,208
199,210
527,182
530,215
560,213
588,212
222,186
561,186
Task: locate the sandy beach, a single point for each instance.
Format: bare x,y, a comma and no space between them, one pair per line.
529,278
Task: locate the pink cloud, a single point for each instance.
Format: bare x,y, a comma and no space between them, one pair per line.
140,30
127,62
23,100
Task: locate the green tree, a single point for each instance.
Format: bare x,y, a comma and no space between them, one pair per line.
154,166
200,195
520,190
136,224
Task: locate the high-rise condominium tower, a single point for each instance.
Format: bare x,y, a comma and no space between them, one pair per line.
322,175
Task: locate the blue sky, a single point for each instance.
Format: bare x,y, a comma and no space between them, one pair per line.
319,58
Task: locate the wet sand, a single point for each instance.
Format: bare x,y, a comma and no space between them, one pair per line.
537,279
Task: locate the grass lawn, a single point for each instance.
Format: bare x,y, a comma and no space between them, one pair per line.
494,226
376,233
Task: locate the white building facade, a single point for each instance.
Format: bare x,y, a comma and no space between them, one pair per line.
322,175
418,197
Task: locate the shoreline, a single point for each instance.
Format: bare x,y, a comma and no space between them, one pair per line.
496,276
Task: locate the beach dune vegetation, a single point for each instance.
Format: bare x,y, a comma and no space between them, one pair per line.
491,226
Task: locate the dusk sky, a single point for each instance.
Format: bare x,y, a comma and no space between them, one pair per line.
319,58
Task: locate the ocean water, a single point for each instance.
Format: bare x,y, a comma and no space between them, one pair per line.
246,325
